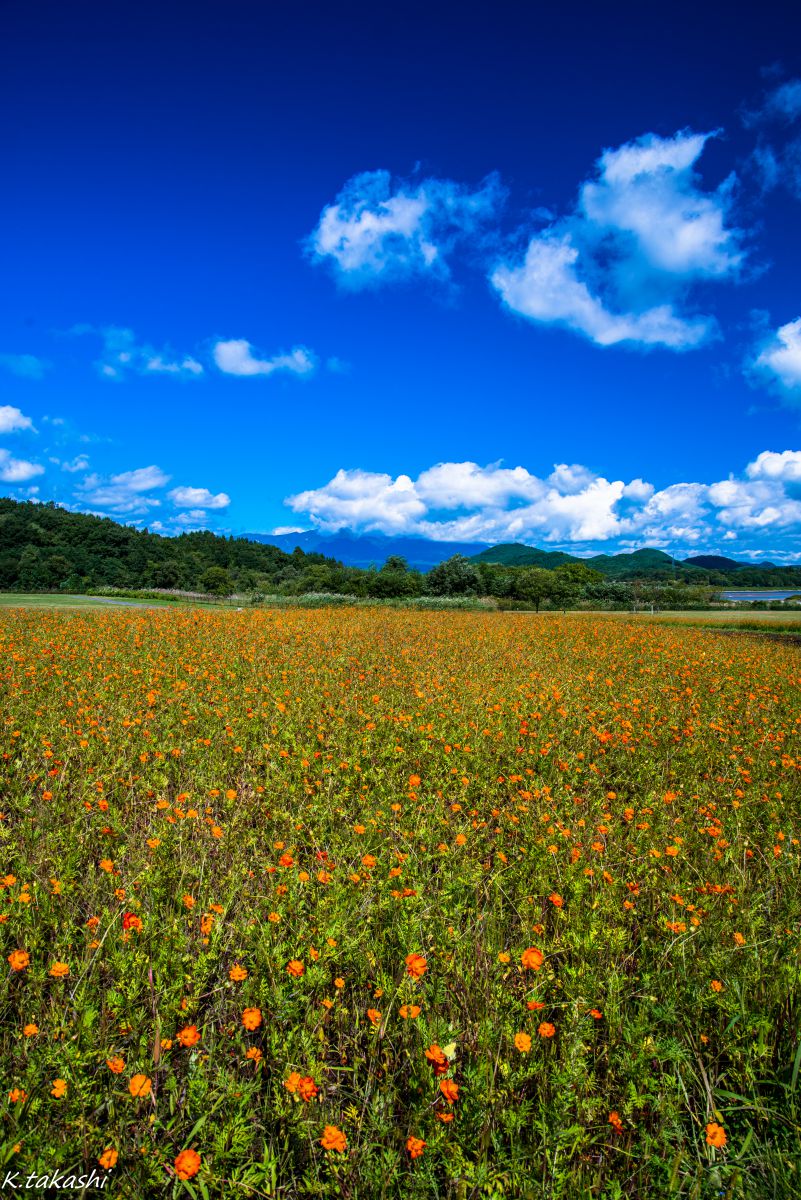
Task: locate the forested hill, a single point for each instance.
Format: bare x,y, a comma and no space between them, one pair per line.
43,546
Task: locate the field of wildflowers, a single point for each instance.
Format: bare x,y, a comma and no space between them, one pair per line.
389,904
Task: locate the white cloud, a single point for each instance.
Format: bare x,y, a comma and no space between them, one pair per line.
123,356
79,463
784,101
17,470
12,420
572,506
195,517
381,230
26,366
236,357
126,493
778,362
784,466
618,268
194,497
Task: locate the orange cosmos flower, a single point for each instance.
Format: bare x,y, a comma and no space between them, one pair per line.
716,985
450,1090
255,1054
415,1146
106,864
615,1122
739,939
523,1042
187,1164
116,1064
108,1159
409,1010
31,1029
295,968
237,973
436,1055
532,959
333,1139
596,1013
374,1016
18,960
17,1095
307,1088
414,781
444,1117
59,1088
416,965
188,1036
715,1135
59,970
251,1018
140,1085
292,1081
535,1005
556,900
546,1030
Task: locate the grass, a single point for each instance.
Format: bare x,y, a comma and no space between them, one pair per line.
298,894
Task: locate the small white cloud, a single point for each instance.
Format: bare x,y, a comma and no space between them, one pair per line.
193,517
126,493
17,470
778,362
26,366
381,230
79,463
783,465
13,421
236,357
194,497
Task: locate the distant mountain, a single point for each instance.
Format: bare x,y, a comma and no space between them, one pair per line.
369,551
717,562
514,554
615,566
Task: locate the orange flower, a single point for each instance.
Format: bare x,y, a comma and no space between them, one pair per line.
116,1064
106,864
409,1010
556,900
415,1146
615,1122
237,973
59,970
295,968
416,965
333,1139
715,1135
532,958
444,1117
255,1054
17,1095
535,1005
716,985
414,781
292,1081
108,1159
739,939
18,960
188,1036
596,1013
139,1085
307,1088
436,1055
546,1030
189,901
31,1029
374,1016
450,1090
59,1088
251,1018
523,1042
187,1164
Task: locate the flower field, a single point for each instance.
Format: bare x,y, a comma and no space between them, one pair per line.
387,904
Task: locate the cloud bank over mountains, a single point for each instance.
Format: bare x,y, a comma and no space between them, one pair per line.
570,506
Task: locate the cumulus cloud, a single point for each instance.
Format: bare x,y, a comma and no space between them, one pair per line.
619,267
79,463
17,470
128,493
13,421
123,355
26,366
572,506
194,498
778,361
237,357
194,518
382,230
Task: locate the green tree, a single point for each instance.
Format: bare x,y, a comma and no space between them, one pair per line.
534,584
216,582
456,576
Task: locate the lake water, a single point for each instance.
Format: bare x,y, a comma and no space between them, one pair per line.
758,595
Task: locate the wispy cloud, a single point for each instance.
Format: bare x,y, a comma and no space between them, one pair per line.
26,366
129,493
571,506
618,269
380,230
122,355
237,357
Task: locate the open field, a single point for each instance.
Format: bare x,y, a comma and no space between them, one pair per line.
53,600
373,904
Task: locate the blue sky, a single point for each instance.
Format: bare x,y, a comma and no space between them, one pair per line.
498,273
